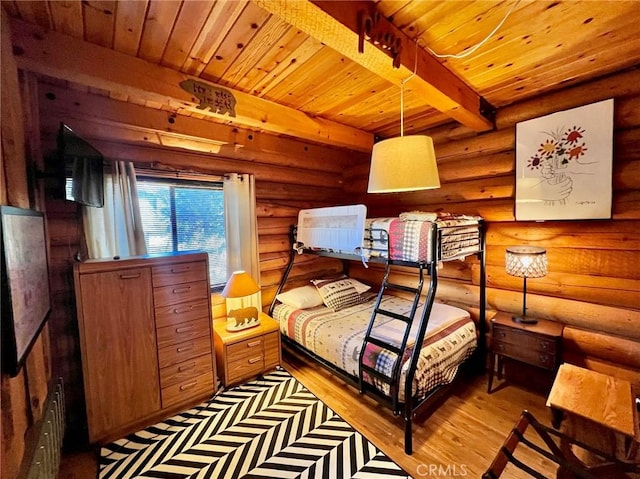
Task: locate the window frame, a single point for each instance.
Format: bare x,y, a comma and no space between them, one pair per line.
190,179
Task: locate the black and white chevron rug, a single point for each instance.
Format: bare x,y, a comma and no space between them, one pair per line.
272,427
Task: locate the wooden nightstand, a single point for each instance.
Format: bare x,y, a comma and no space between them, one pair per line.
535,344
247,353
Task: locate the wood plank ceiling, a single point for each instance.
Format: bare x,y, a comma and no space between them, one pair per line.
541,46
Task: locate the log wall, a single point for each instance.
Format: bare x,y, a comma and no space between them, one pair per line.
593,282
23,396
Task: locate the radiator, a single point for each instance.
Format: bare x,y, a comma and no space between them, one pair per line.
48,439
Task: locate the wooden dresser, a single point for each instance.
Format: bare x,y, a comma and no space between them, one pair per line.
145,337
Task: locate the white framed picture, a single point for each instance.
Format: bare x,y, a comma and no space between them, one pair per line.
564,164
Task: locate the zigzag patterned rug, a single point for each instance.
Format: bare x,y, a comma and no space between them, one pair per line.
269,428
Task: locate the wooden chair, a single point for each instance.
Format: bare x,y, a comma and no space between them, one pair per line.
569,466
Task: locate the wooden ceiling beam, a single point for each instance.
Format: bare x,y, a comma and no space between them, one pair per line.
59,56
337,25
101,117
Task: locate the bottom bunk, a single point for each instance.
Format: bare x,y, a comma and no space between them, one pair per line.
335,338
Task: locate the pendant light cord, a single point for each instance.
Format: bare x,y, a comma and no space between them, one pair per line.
480,43
402,82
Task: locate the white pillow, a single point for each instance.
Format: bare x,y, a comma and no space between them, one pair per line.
301,298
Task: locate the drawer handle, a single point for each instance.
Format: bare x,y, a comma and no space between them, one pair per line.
253,344
255,360
130,276
184,269
185,310
182,290
502,334
186,367
544,358
544,345
188,385
501,347
185,348
185,329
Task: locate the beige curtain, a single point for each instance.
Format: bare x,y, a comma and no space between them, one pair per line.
242,227
116,228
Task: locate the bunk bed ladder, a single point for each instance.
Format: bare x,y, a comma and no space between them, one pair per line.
393,378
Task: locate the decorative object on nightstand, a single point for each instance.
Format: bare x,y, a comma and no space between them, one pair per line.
241,285
526,262
537,344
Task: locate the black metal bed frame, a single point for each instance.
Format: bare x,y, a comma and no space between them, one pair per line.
413,406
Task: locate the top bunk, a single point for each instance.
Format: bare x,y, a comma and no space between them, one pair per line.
411,238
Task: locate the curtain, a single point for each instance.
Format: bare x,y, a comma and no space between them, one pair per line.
241,227
116,228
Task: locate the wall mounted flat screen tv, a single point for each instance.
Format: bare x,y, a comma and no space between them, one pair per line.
26,298
83,164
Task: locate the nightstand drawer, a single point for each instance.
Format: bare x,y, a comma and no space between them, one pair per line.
543,359
178,273
524,339
248,366
188,369
244,349
185,390
170,335
183,351
179,313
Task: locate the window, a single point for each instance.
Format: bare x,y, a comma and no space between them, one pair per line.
185,215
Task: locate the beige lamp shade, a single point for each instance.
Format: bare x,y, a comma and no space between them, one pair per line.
405,163
240,284
526,261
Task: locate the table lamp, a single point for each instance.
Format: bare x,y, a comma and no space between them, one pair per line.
241,285
526,262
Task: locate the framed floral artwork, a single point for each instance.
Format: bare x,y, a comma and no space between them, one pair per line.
564,164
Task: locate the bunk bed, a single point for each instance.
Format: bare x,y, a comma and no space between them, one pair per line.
397,344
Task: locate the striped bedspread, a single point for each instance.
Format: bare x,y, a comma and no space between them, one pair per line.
337,338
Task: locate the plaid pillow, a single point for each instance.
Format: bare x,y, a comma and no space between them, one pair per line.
338,294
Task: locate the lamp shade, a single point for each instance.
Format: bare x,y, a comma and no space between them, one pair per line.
526,261
405,163
240,284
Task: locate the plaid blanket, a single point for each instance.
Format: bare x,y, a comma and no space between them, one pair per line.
337,338
410,240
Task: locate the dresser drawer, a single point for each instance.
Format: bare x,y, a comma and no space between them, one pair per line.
180,313
178,333
186,370
180,293
178,273
543,359
186,390
184,351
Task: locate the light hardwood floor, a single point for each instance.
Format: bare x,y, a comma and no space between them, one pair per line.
459,439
